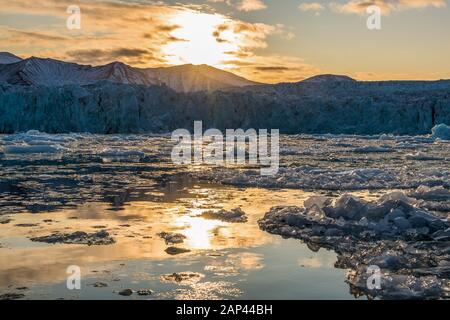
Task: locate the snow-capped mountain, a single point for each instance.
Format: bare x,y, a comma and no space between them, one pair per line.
49,72
189,78
6,58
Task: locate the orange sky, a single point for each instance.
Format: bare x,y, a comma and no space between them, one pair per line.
262,40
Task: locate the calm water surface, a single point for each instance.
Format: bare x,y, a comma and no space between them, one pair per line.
225,261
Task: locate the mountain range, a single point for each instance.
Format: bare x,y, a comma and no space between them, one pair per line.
49,72
35,71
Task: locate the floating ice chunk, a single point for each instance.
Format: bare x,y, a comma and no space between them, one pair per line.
395,196
33,132
98,238
347,207
109,152
319,201
392,216
427,193
34,137
234,215
373,149
397,286
441,131
172,238
288,151
409,244
422,157
25,149
182,278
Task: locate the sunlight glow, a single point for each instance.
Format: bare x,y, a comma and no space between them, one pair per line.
197,43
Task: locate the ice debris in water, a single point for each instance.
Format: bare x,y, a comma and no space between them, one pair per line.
441,131
98,238
34,141
393,233
182,278
371,149
427,193
109,152
393,216
407,270
305,177
234,215
421,156
172,238
21,149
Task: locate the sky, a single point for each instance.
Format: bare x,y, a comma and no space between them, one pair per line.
263,40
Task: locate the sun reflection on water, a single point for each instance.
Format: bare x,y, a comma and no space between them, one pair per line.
199,231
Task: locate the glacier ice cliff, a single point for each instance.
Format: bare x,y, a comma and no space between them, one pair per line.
349,107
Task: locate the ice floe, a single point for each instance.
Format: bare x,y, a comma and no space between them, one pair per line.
22,149
172,238
109,152
234,215
98,238
427,193
408,243
421,156
441,131
34,142
182,278
373,149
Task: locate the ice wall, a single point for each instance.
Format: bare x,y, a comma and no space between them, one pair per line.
336,107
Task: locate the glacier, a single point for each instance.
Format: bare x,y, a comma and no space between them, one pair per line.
335,107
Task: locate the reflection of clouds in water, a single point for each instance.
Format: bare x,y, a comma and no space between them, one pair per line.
142,276
236,263
312,262
247,260
143,220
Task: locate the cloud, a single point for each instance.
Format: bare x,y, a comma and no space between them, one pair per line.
145,34
273,68
30,35
243,5
107,27
311,6
386,6
251,5
100,56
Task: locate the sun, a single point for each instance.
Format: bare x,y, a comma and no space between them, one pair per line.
196,42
